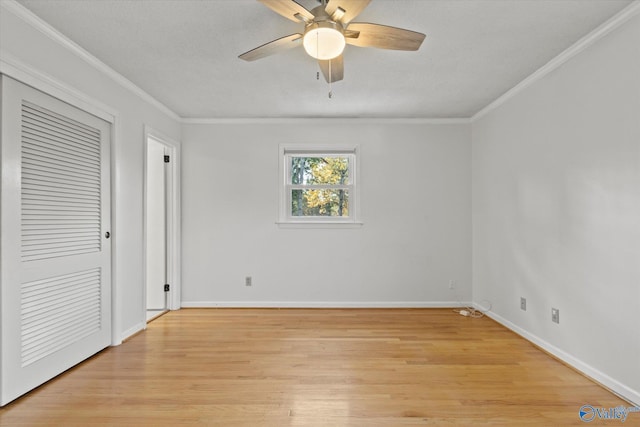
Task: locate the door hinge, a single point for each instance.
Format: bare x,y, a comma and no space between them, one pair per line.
166,288
167,159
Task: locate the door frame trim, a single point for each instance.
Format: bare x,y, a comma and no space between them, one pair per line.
172,222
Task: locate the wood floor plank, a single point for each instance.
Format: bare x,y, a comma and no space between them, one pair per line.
316,367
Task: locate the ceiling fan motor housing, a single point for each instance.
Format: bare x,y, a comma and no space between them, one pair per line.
323,38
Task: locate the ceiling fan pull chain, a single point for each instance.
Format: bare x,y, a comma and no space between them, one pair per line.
330,79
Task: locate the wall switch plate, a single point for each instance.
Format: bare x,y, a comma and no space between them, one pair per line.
247,281
523,304
452,284
555,315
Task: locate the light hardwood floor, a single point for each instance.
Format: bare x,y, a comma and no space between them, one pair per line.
316,367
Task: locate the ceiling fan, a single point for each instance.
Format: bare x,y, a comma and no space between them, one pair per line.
327,28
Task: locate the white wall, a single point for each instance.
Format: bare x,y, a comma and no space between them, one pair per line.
415,205
32,49
556,210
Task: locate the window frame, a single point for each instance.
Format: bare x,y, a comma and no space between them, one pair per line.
288,151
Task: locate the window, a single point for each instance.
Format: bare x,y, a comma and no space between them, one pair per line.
319,185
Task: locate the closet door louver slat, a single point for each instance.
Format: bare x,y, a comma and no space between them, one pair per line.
62,169
58,311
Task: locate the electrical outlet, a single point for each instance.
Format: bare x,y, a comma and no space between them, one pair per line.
248,281
555,315
452,284
523,304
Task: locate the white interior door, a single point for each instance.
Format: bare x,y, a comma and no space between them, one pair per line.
156,225
55,251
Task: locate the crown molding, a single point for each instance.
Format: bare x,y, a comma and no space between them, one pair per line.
329,120
614,22
37,23
18,70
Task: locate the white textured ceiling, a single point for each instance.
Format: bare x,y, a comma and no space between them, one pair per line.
184,53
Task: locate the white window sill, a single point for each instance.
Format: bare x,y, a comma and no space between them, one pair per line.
319,224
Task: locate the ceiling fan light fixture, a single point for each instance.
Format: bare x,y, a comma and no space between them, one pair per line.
324,40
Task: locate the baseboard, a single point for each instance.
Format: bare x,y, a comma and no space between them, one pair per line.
133,330
323,304
625,392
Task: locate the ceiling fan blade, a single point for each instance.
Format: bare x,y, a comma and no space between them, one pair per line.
289,9
383,37
345,10
272,47
332,69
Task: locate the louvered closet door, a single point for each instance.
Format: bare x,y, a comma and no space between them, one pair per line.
56,257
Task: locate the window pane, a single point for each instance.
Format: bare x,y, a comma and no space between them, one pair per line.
326,202
319,170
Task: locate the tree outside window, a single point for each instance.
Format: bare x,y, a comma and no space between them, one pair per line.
320,186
